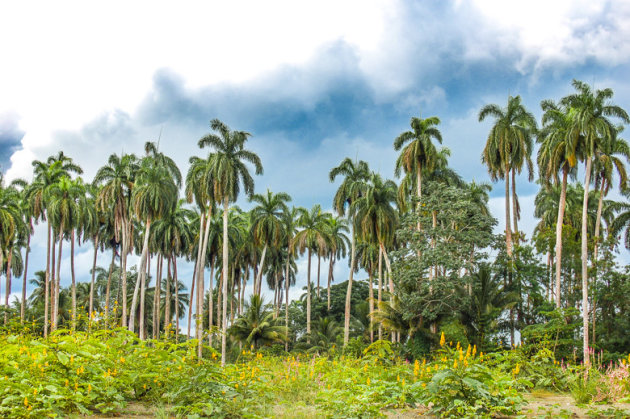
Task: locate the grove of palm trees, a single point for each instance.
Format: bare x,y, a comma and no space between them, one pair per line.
440,308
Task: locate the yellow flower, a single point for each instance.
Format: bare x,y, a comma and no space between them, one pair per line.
442,339
26,401
455,364
368,381
89,387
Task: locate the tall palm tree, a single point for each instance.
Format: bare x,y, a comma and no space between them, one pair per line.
46,174
355,175
336,230
154,195
267,225
200,188
229,172
556,154
117,179
290,222
419,153
171,236
10,225
591,127
311,236
376,220
64,211
509,144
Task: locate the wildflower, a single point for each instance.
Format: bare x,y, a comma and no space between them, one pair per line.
442,339
34,391
368,381
89,387
455,364
26,401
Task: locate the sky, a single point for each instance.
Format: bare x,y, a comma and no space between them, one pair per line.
313,81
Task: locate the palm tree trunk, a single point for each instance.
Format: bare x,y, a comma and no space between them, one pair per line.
380,288
191,298
559,223
389,270
92,282
287,283
157,291
123,273
53,268
225,276
142,279
109,284
176,297
58,281
508,227
330,276
602,191
23,305
585,259
308,298
46,281
319,264
167,298
371,300
515,213
74,284
210,300
346,324
258,282
200,287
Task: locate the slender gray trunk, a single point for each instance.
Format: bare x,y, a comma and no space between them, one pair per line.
308,298
46,281
346,325
191,299
225,276
142,280
515,212
157,294
587,181
258,281
559,224
92,281
74,284
108,288
508,227
330,276
23,305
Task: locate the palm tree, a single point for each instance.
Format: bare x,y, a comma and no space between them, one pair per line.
171,235
64,213
290,222
591,128
47,174
10,225
257,327
556,154
419,153
312,236
336,230
117,178
154,195
355,176
229,172
267,225
508,146
200,188
368,254
375,221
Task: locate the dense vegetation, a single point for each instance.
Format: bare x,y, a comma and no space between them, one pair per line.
550,311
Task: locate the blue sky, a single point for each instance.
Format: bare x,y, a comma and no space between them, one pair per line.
313,82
